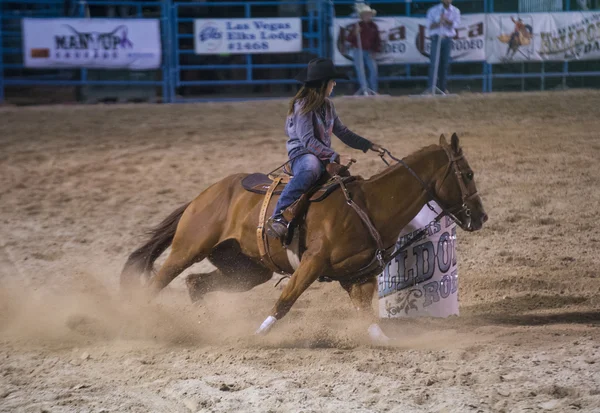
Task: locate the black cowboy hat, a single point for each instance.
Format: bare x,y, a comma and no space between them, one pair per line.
318,71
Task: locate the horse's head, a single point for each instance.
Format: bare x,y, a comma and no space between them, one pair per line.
456,188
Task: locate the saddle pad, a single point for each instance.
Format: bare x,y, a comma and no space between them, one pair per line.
259,184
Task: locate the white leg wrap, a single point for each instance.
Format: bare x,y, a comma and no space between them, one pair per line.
266,325
377,335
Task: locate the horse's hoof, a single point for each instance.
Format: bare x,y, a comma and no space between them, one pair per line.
378,336
266,326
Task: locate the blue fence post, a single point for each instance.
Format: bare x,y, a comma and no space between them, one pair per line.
82,71
566,64
165,40
543,82
248,13
321,36
489,7
174,71
407,5
329,38
1,61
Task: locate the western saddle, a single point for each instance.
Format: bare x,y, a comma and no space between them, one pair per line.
335,176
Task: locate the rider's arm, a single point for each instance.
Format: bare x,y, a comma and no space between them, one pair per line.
305,130
347,136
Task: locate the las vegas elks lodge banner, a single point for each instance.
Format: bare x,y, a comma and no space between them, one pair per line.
543,36
247,36
92,43
405,40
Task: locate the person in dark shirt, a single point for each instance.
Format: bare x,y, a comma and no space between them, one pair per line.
370,45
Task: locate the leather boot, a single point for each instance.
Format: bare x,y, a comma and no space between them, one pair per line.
277,227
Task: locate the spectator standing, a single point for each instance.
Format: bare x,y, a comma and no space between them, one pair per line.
442,22
364,51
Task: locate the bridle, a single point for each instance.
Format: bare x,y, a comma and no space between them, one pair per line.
451,211
464,192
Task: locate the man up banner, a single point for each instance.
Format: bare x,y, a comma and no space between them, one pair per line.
92,43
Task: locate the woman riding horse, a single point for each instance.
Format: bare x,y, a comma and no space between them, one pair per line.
310,122
348,237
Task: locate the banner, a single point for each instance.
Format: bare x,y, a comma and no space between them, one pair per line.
406,40
543,36
92,43
423,279
248,36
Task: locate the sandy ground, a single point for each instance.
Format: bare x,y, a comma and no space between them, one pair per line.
79,184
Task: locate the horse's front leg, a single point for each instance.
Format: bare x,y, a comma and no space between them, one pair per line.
361,294
311,267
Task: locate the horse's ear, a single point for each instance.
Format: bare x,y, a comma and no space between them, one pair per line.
454,143
443,141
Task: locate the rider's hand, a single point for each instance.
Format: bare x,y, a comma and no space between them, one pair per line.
345,160
377,148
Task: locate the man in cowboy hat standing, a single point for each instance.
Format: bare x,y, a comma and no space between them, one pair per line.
370,44
442,22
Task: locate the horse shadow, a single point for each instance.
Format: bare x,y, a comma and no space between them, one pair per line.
516,311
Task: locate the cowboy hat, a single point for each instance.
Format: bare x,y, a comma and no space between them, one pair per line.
365,8
319,70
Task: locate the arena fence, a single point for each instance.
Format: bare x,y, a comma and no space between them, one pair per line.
178,51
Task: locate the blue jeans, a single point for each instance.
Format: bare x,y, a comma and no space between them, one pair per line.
307,170
444,63
370,65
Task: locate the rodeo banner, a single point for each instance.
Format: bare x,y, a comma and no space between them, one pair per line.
248,36
543,36
405,40
92,43
423,279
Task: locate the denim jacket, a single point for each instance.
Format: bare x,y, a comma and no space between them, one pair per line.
309,134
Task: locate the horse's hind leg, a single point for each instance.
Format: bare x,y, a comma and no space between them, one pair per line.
235,272
361,294
188,248
199,285
176,262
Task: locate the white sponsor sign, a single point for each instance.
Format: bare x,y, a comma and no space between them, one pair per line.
92,43
248,36
543,36
406,40
423,279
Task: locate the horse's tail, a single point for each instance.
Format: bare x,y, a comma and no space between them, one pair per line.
141,261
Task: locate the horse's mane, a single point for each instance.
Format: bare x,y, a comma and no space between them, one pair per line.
408,159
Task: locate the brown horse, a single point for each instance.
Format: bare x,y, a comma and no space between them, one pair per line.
220,225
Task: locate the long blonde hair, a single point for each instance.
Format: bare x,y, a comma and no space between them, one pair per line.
311,97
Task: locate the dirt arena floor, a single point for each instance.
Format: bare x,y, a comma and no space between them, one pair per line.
79,184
